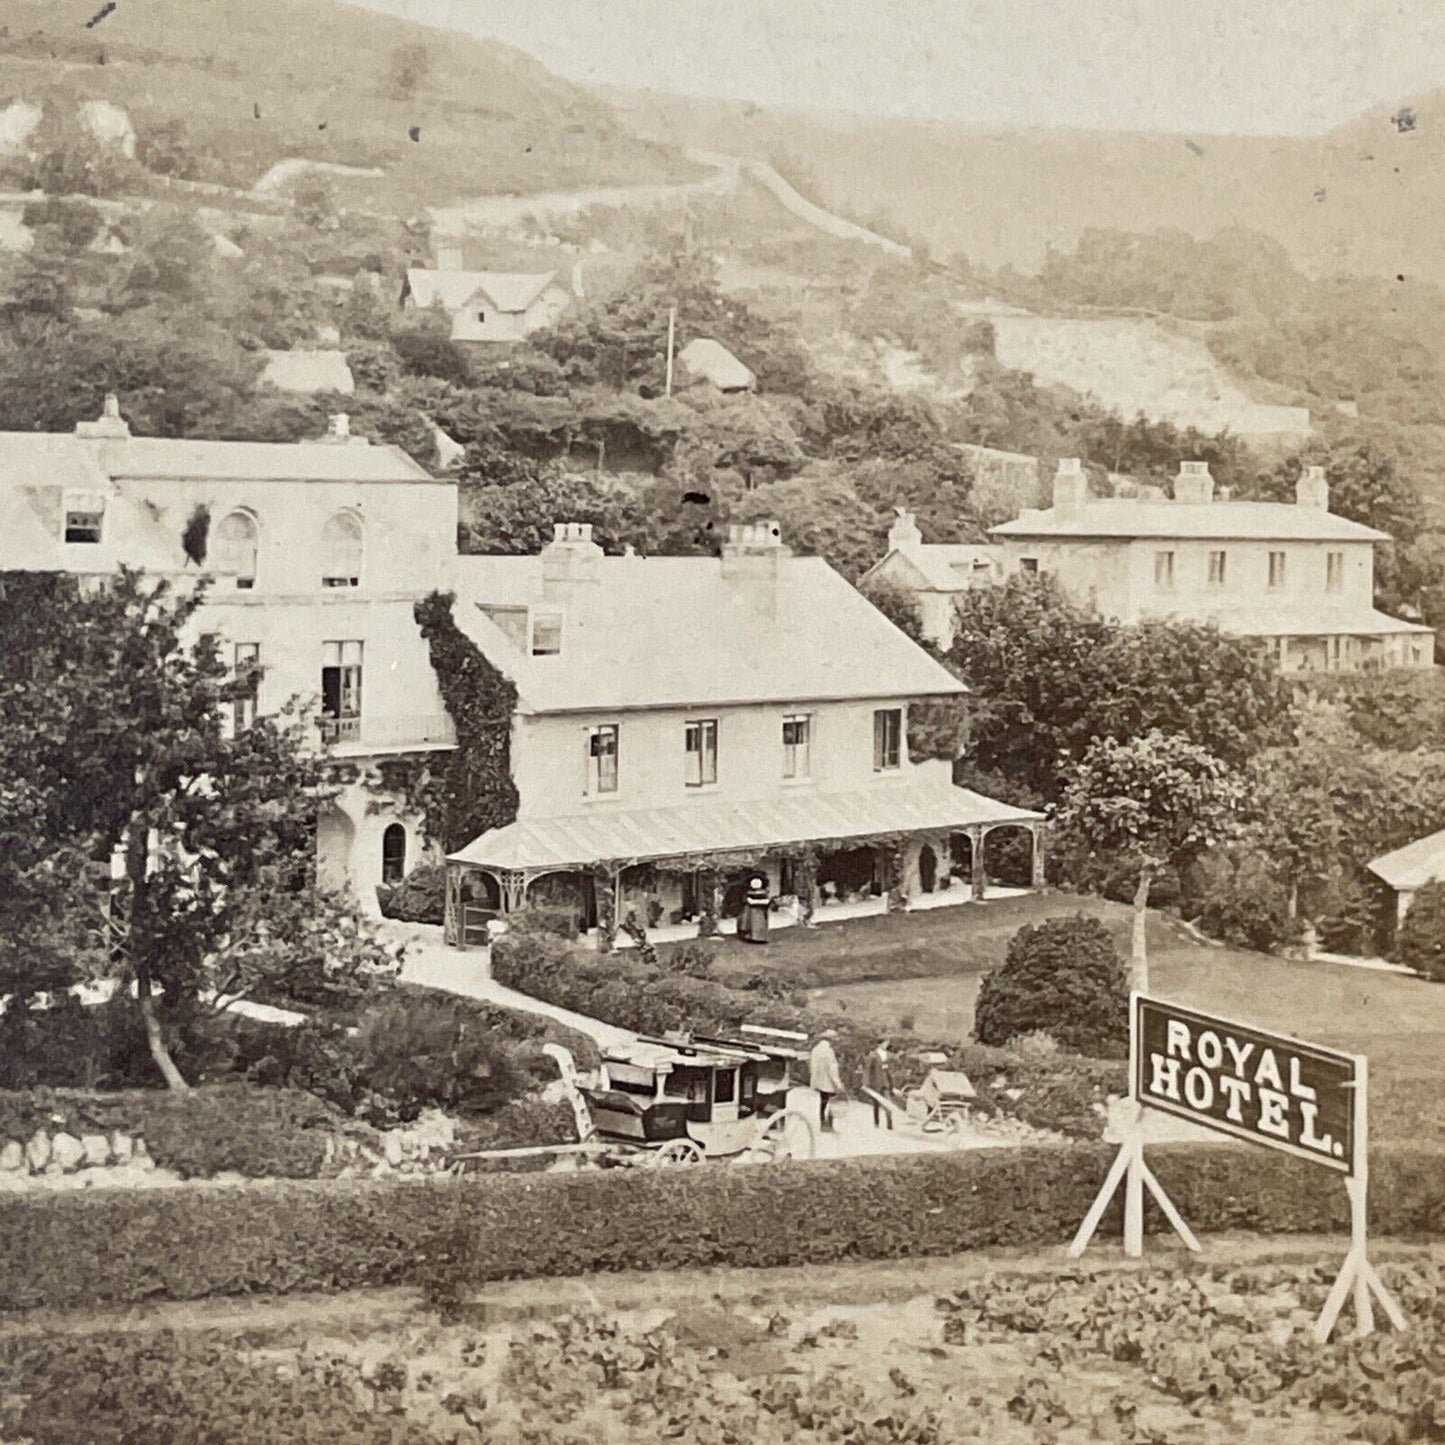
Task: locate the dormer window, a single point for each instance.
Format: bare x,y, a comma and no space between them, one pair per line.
84,517
546,634
341,551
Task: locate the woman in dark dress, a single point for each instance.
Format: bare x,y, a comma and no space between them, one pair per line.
753,920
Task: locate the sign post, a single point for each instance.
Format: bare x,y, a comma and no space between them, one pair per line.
1267,1088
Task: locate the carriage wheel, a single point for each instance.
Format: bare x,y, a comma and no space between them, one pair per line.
786,1135
677,1152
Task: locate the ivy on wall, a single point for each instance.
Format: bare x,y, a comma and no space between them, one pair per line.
476,792
195,536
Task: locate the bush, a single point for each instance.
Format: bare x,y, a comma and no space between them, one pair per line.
83,1249
420,897
1421,942
1065,977
1242,902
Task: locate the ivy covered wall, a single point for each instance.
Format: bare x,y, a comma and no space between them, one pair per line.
475,792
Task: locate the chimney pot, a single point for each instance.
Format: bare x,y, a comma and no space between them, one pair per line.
1313,489
570,557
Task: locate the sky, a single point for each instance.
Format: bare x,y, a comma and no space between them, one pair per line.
1273,67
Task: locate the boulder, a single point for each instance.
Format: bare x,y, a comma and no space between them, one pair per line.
97,1150
37,1151
67,1153
12,1156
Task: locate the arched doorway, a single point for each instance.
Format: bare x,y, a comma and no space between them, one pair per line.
393,853
960,851
573,892
927,868
1008,855
335,839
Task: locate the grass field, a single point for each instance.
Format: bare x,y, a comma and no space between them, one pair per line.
920,973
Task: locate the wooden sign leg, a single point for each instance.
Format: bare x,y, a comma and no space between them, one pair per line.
1130,1169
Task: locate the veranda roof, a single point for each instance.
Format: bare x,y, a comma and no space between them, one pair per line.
713,826
1414,865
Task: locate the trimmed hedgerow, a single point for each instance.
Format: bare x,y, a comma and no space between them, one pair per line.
112,1247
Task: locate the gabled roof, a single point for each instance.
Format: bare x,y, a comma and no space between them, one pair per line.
1126,517
713,362
677,632
506,290
1414,865
353,460
947,566
308,372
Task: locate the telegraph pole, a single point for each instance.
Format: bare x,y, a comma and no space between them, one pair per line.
671,334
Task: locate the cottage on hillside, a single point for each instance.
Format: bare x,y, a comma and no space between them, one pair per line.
488,306
708,361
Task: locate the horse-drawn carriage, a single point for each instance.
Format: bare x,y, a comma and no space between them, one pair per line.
684,1099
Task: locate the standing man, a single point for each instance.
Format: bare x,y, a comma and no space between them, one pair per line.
878,1080
823,1076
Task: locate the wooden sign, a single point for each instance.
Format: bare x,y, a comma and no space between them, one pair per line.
1265,1088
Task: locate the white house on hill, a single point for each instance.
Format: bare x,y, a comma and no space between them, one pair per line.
685,721
488,306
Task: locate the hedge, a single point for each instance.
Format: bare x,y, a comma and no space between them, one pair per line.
120,1247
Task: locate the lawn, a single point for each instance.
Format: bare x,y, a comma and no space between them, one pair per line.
920,973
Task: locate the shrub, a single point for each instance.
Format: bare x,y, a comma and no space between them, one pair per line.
1242,902
420,897
82,1248
1063,976
1421,942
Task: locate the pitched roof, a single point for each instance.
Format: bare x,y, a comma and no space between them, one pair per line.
506,290
308,372
354,460
676,632
950,566
1414,865
1126,517
709,825
712,361
1272,620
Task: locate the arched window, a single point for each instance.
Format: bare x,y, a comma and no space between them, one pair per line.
233,553
393,854
341,551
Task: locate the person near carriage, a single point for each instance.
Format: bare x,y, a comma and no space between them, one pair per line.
878,1081
753,920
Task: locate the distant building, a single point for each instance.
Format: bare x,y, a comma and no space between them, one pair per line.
1404,872
308,372
488,306
685,722
710,361
1294,575
935,573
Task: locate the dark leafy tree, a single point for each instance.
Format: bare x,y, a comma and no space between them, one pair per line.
1421,941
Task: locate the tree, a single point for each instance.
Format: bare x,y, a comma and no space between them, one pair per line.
1157,801
115,735
1065,977
1421,942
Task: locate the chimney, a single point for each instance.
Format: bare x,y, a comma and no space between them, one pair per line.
1194,483
754,552
903,535
109,426
1312,489
449,255
338,431
1071,487
570,558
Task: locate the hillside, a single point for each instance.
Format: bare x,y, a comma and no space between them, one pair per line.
1362,199
261,81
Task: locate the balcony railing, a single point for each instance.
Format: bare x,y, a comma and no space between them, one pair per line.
392,730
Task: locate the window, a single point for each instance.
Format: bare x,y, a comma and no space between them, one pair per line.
701,743
341,551
246,664
393,853
234,551
798,746
1164,571
481,316
547,634
1334,571
341,691
725,1086
1029,565
602,759
1216,569
1276,569
84,517
512,621
887,739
